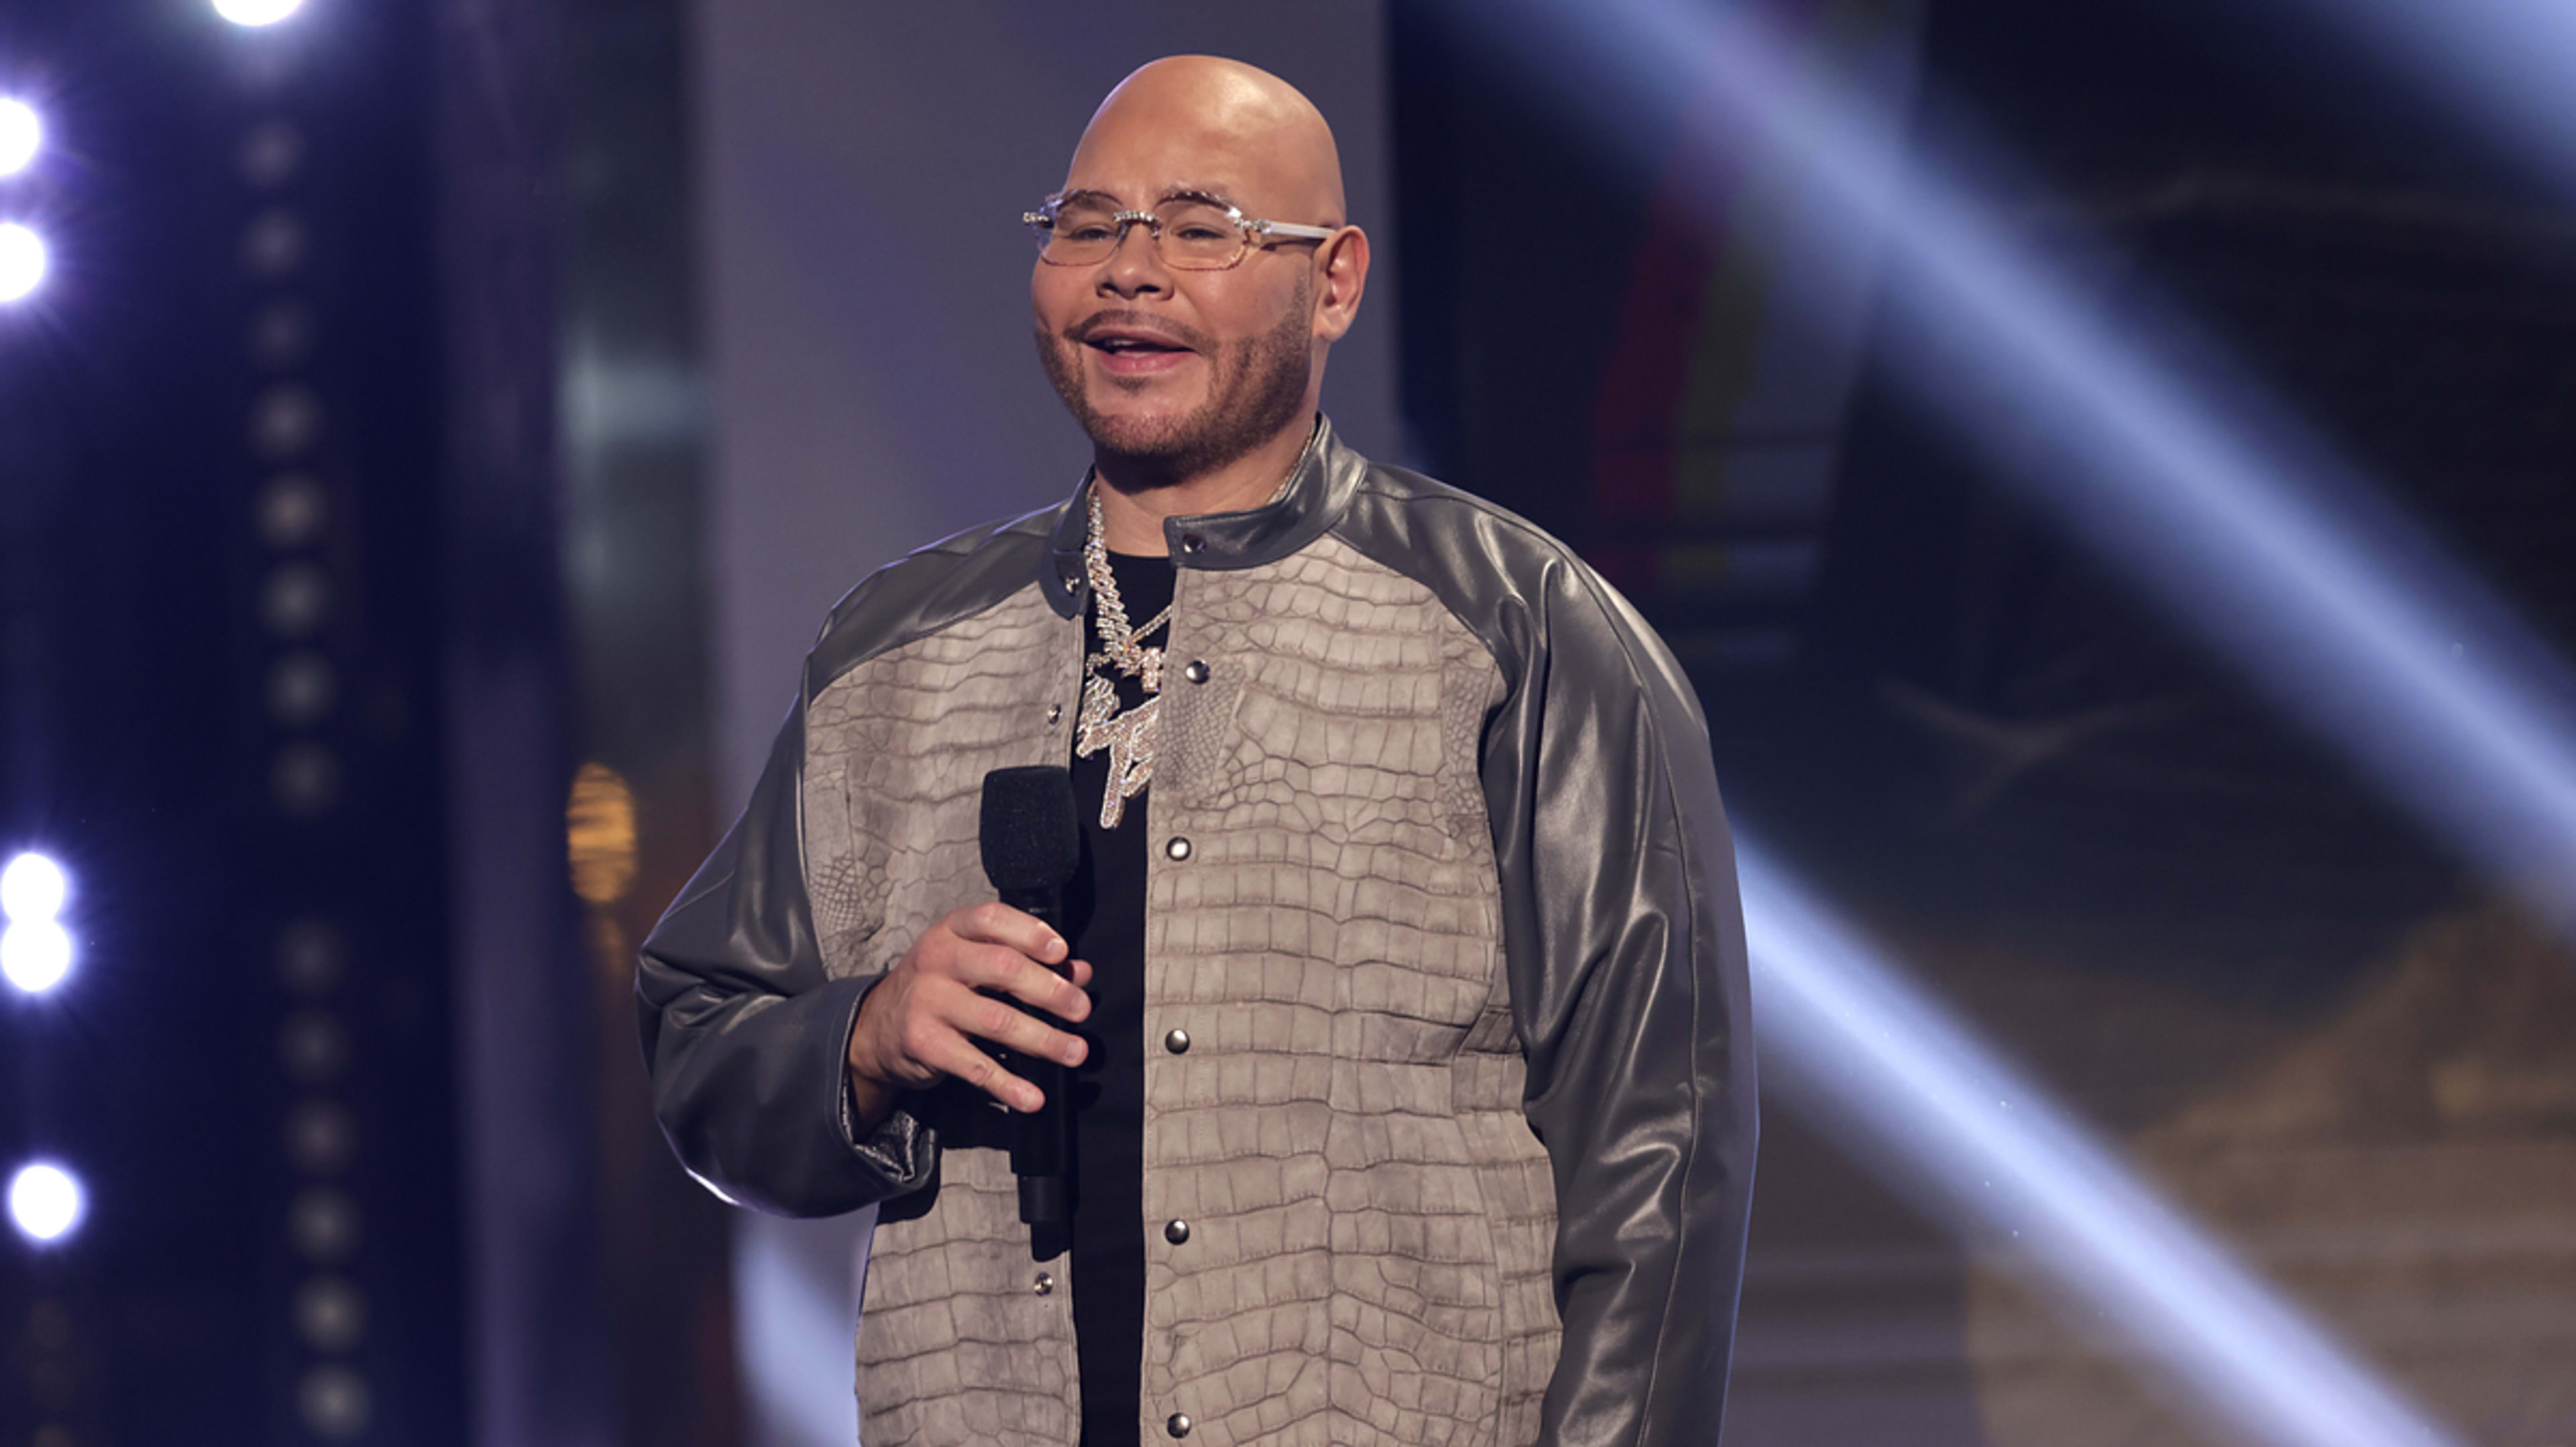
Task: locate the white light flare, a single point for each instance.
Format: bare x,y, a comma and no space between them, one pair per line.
35,955
33,887
35,950
2171,463
257,12
23,262
46,1203
1843,1034
22,135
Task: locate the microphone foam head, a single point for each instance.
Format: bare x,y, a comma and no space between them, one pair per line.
1031,836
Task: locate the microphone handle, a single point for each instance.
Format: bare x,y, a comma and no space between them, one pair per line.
1042,1140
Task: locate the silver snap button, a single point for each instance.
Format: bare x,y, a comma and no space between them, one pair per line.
1045,1284
1178,1042
1192,543
1177,1424
1055,712
1196,672
1178,848
1073,582
1176,1232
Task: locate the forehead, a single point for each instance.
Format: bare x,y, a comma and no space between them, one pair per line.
1138,160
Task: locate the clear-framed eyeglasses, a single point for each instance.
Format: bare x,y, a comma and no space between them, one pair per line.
1192,233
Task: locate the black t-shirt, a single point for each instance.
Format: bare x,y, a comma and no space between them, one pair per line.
1105,924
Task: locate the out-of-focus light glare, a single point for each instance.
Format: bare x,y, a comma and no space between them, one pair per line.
22,134
2503,63
32,887
46,1202
22,261
1844,1035
2176,465
257,12
35,955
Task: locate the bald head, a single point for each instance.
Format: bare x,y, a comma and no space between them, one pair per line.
1227,127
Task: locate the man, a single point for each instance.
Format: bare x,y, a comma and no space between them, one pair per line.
1404,982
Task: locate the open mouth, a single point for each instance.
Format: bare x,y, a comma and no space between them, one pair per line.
1133,347
1128,347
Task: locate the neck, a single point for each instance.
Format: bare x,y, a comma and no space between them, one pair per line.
1134,503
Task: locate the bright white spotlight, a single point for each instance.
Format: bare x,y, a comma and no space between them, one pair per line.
1844,1034
22,134
257,12
22,261
35,955
46,1202
32,887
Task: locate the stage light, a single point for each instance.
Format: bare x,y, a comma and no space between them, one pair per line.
1846,1038
22,261
2142,439
35,955
32,887
46,1203
257,12
22,135
2503,63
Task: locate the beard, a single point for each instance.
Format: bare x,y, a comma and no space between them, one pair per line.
1256,390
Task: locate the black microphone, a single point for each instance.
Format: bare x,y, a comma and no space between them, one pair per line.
1032,843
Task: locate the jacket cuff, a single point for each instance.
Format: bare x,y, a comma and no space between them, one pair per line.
901,1150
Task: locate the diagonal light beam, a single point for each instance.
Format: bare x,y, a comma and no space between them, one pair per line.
2171,463
2504,64
1844,1034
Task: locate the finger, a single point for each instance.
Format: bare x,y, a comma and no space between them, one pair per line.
997,967
958,1056
996,923
1013,1028
1081,972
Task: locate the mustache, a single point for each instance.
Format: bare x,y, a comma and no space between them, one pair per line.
1118,319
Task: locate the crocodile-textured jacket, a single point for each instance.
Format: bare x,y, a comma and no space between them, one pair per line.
1440,890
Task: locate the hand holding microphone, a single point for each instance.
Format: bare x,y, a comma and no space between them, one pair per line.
922,1021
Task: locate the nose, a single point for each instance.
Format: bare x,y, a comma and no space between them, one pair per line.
1135,268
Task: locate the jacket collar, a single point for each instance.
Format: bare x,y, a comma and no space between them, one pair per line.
1317,492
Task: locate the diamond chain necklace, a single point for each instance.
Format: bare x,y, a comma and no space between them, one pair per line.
1128,736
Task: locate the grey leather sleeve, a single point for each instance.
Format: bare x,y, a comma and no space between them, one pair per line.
746,1037
1625,945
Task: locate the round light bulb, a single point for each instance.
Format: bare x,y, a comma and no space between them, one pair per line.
32,887
257,12
45,1202
22,261
35,955
22,134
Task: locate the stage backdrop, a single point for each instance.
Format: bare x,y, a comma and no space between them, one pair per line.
861,170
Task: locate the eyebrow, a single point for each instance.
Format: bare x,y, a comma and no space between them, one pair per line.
1177,193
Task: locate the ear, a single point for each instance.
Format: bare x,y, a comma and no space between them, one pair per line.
1341,275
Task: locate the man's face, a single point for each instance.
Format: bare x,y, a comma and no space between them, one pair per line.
1176,371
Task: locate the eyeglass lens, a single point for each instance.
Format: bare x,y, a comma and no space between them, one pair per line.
1189,233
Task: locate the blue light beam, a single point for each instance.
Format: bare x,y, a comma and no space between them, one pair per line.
2503,64
1845,1035
2170,462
